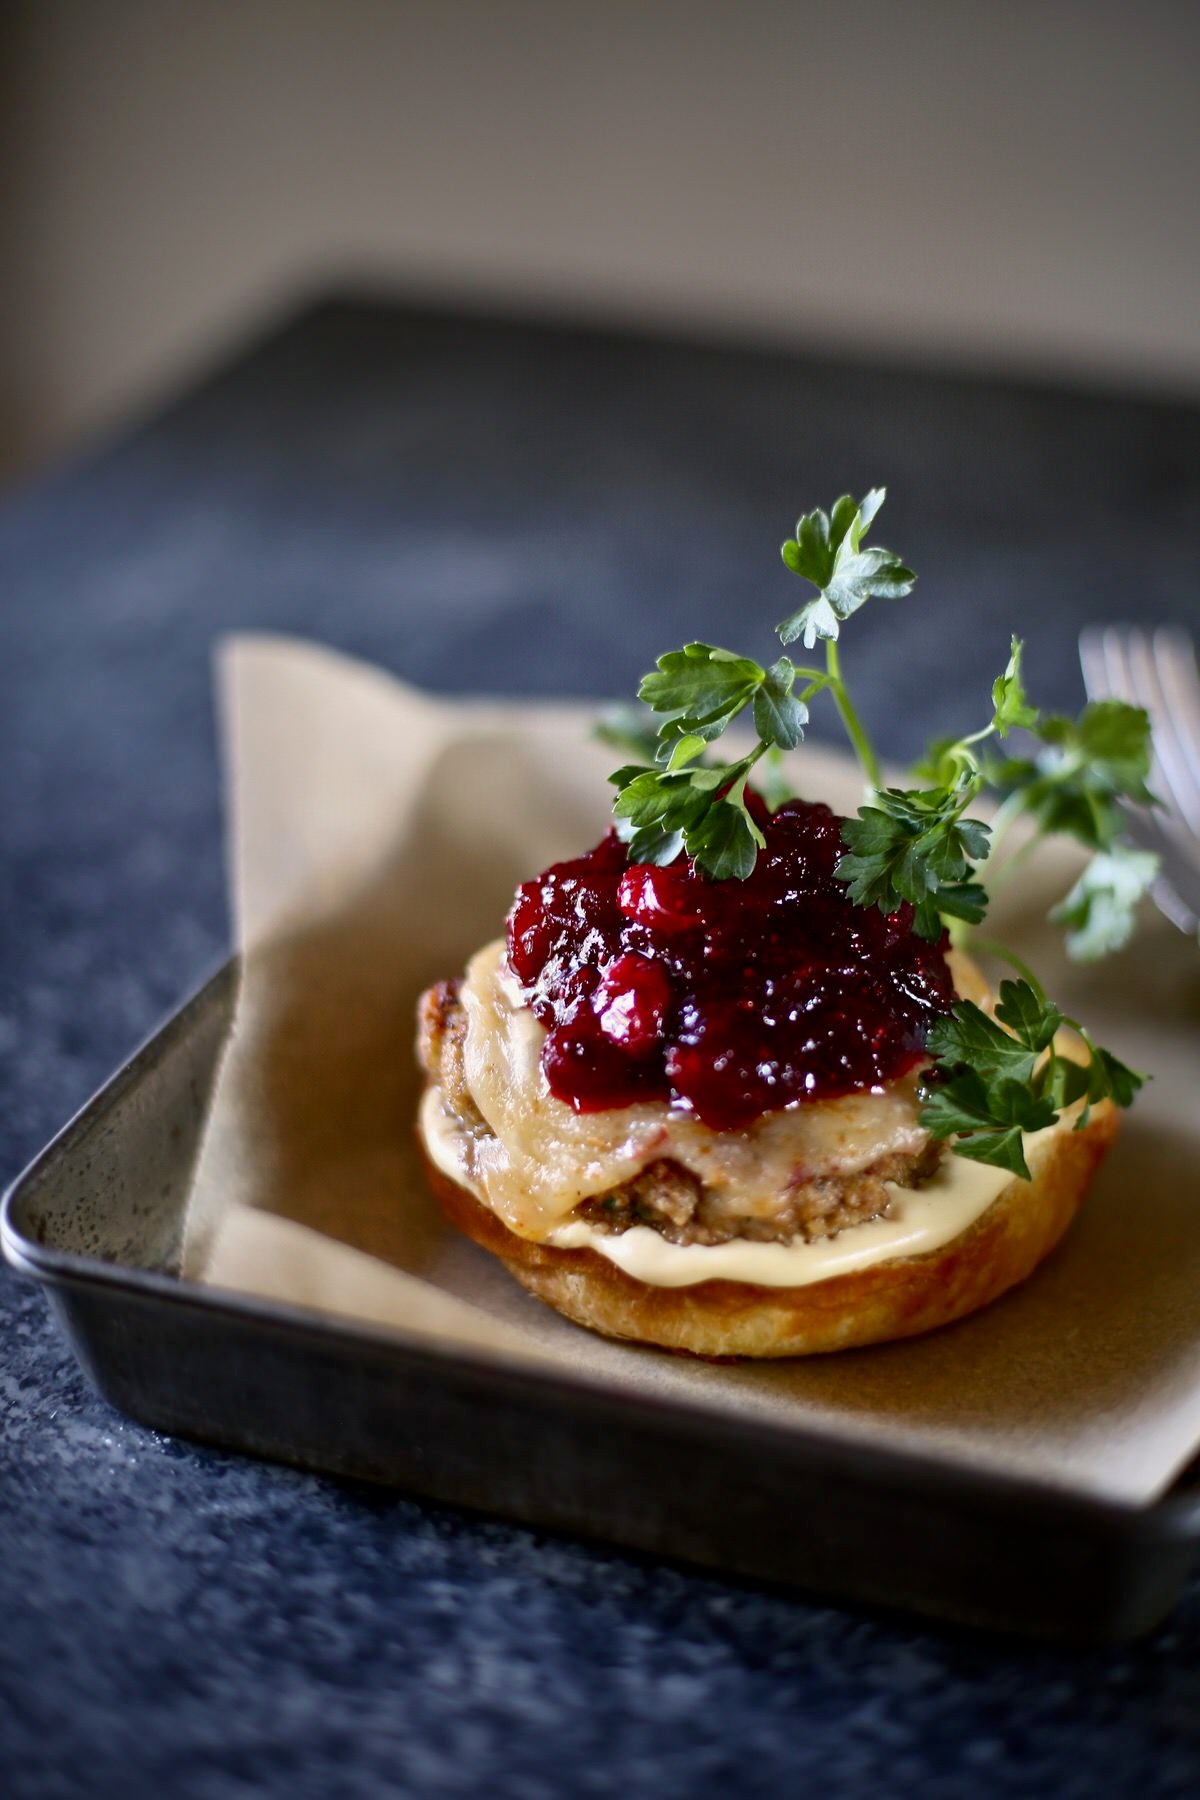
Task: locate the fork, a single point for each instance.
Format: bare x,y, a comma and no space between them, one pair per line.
1158,670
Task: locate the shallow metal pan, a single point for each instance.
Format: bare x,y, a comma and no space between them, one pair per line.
97,1220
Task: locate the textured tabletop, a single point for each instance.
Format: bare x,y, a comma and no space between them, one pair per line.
487,506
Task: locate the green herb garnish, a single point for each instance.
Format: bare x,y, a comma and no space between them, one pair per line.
990,1079
914,844
1099,909
827,550
682,802
993,1079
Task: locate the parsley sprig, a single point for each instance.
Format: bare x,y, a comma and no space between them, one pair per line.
994,1079
827,550
683,802
1100,909
991,1079
915,845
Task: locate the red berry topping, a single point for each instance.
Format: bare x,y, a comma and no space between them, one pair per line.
728,998
631,1003
667,899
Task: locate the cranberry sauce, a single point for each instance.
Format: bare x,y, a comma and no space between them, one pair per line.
728,998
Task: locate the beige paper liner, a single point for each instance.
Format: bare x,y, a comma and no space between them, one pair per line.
377,836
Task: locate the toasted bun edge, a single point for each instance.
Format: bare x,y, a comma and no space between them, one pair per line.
898,1298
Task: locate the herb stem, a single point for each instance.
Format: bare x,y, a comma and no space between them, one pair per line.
748,762
850,719
1008,811
774,779
990,947
1010,866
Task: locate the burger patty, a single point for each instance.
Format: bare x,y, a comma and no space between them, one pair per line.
664,1195
441,1034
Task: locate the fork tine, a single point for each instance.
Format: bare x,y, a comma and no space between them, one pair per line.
1110,656
1175,890
1179,782
1119,666
1116,640
1179,679
1121,674
1092,659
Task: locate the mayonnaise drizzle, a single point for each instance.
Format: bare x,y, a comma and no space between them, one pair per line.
917,1221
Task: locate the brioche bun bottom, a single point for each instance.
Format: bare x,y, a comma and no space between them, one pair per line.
898,1298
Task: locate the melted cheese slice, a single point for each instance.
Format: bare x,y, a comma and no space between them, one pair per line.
544,1159
916,1222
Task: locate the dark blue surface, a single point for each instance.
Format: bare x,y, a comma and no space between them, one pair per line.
485,506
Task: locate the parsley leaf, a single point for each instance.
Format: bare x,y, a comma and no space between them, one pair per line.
629,728
1009,705
701,689
683,803
1111,1079
994,1079
1031,1018
1085,768
988,1118
655,843
827,551
779,717
1099,910
725,840
701,810
970,1039
912,845
939,766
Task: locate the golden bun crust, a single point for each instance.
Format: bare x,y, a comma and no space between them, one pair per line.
895,1299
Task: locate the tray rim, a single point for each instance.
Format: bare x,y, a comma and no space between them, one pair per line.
1172,1516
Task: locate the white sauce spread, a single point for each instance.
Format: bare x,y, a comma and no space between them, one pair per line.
918,1220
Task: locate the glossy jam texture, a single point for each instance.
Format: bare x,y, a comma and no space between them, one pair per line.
729,998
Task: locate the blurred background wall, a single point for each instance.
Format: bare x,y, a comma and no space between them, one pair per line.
1010,185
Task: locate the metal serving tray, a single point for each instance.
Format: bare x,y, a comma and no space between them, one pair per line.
97,1220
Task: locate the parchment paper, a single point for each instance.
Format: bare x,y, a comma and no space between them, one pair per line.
376,838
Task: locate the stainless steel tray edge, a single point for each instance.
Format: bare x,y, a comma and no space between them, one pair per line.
550,1451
